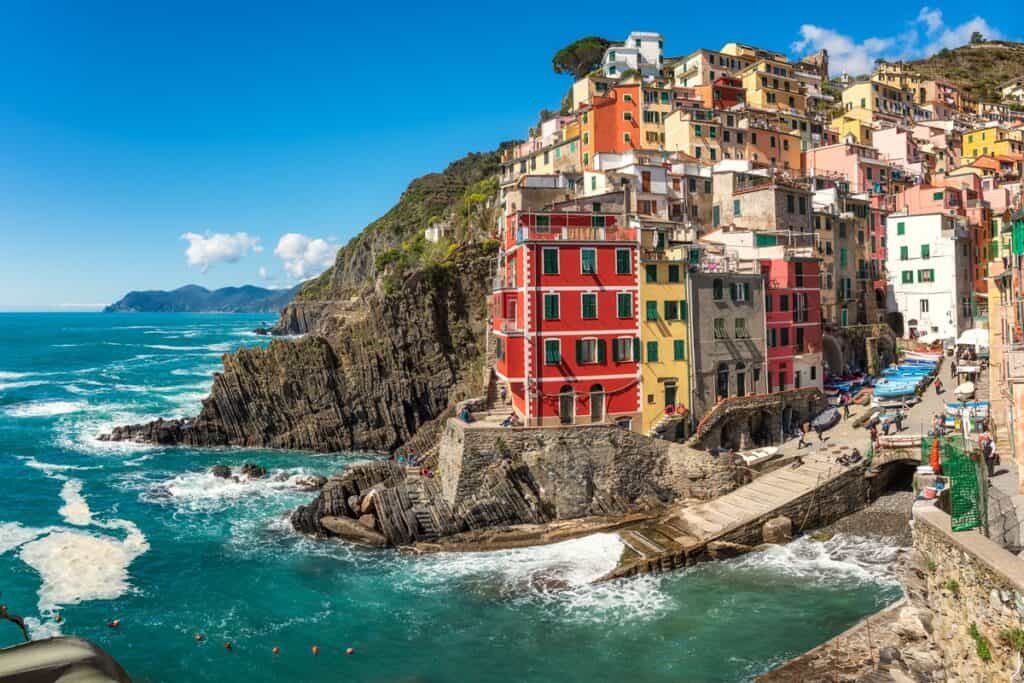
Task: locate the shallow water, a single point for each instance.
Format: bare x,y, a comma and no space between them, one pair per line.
97,531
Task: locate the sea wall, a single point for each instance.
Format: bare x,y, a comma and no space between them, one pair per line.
582,470
971,581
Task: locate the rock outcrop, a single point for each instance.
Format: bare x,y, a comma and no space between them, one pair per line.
365,377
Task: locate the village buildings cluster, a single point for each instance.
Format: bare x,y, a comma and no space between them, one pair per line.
691,231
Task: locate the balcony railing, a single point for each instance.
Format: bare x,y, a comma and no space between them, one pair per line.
509,326
576,234
499,283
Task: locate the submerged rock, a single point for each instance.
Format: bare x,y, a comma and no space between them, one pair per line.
253,471
221,471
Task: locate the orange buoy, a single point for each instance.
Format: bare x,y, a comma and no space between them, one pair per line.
350,651
227,645
115,623
316,649
199,637
276,650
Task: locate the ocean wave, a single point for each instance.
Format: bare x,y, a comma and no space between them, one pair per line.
203,371
45,408
51,468
5,386
82,433
843,559
5,374
171,347
203,492
14,535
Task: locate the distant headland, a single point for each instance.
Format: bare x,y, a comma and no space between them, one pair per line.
197,299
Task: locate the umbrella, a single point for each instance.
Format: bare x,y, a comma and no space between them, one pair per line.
974,337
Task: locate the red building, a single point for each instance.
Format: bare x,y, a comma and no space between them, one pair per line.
724,93
793,320
565,318
876,249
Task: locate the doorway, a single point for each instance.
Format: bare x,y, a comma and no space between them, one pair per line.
671,391
596,404
566,405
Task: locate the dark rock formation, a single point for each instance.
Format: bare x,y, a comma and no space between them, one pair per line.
365,378
221,471
253,471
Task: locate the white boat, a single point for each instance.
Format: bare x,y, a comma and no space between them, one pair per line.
932,356
758,455
965,390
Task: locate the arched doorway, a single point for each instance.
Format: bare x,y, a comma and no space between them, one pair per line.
597,403
741,379
566,405
832,354
722,381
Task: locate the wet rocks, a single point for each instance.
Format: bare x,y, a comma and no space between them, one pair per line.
777,530
253,471
313,482
221,471
354,531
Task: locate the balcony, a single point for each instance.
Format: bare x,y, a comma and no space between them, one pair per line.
508,326
499,283
576,234
1013,360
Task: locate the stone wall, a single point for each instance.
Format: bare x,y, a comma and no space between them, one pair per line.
970,581
581,470
747,421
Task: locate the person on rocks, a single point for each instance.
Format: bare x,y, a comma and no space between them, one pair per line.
465,415
873,432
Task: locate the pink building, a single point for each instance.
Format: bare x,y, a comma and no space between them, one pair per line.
898,146
861,165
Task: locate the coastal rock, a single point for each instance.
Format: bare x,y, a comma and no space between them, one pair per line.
221,471
351,530
311,483
777,530
334,496
253,471
369,521
365,377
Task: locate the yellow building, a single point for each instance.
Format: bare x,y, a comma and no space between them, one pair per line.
655,108
770,84
878,99
854,123
990,141
663,335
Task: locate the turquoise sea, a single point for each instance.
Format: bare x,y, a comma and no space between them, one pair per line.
95,531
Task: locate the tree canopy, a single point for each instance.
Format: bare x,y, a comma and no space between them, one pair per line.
581,57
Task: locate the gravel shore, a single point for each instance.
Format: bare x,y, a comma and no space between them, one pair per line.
886,517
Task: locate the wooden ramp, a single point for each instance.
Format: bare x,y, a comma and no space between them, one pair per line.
683,535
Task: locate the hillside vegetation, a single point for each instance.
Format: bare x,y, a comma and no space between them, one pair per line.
978,68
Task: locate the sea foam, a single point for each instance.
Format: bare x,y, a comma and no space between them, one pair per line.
45,408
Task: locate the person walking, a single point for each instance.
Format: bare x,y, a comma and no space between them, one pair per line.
846,406
899,421
938,386
988,449
873,432
805,429
818,430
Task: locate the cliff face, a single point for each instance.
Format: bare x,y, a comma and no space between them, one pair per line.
368,375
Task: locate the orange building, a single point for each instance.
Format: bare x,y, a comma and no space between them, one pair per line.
610,123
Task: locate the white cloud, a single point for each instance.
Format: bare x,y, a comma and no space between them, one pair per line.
303,256
264,274
856,58
207,250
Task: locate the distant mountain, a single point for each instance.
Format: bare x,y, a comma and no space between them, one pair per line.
196,299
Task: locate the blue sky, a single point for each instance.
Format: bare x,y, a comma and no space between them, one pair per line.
147,147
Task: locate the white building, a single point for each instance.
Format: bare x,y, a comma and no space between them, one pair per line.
928,261
1013,90
641,52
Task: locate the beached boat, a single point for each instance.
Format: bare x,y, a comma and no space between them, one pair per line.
826,419
931,356
758,455
895,389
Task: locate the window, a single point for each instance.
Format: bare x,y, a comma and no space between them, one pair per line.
926,251
622,262
678,349
588,306
768,303
741,328
740,291
799,340
625,304
673,273
552,351
926,275
771,338
627,116
551,261
717,289
671,310
697,130
588,261
736,207
652,352
907,277
652,310
622,349
712,131
722,381
714,216
627,138
784,336
551,308
590,351
901,228
720,329
842,257
682,310
904,253
924,305
783,302
937,196
789,203
650,273
803,206
597,221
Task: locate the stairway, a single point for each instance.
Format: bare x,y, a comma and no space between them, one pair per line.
425,521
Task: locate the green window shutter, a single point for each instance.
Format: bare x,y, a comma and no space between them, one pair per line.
842,257
588,261
652,310
715,218
673,273
551,307
682,310
625,300
746,292
678,349
904,253
733,291
579,350
736,205
901,228
925,251
651,272
622,265
552,352
636,350
601,352
908,276
937,196
551,261
589,306
652,352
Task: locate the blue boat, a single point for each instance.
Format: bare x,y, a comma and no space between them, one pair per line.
895,389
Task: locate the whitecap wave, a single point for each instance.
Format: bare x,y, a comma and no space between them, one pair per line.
4,386
13,535
51,468
6,374
170,347
45,408
203,492
843,559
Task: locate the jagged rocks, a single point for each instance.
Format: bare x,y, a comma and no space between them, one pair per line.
313,482
334,497
253,471
221,471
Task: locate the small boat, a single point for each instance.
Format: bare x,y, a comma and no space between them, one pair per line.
758,455
895,389
932,356
965,390
826,419
840,386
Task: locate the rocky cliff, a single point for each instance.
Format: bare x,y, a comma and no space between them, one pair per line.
365,378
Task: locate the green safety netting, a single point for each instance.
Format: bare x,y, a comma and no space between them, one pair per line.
968,483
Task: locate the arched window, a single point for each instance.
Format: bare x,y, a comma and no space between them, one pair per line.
597,403
741,379
722,381
566,405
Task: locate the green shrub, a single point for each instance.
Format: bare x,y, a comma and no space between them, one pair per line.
981,644
1013,638
952,586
